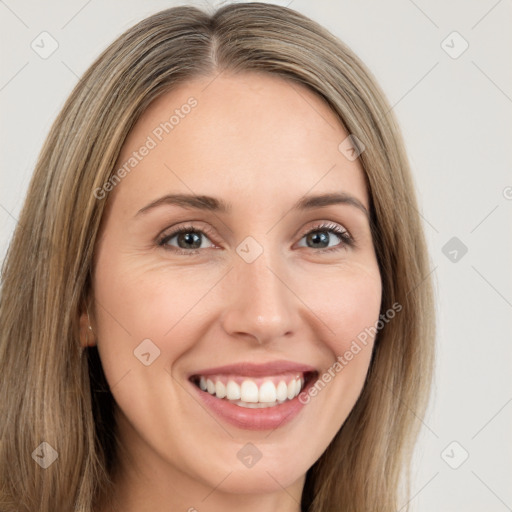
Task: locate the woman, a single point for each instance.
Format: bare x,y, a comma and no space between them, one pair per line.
253,370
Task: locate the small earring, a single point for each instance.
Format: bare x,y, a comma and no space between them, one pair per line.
88,318
90,329
89,326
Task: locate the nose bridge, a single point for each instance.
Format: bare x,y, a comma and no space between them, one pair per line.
261,305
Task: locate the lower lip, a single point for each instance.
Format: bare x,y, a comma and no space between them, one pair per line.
268,418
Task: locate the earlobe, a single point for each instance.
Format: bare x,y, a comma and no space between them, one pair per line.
87,336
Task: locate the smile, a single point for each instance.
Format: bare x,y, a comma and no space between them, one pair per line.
253,393
254,396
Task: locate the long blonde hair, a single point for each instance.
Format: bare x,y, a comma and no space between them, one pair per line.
51,394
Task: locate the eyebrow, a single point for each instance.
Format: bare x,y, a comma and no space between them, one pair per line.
208,203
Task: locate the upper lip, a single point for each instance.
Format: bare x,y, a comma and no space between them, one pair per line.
257,370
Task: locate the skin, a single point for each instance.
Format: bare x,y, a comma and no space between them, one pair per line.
260,143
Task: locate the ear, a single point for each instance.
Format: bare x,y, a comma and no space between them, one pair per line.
87,336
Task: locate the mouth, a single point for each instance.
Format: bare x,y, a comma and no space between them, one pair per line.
254,397
254,392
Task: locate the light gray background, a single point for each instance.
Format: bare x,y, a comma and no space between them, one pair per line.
456,117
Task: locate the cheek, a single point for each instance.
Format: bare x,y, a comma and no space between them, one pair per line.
347,302
150,315
136,301
349,310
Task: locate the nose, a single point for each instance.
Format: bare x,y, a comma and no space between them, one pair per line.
260,304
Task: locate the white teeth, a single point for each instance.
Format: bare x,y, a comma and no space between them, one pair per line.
210,386
249,391
232,391
268,393
299,385
220,389
249,395
291,389
282,391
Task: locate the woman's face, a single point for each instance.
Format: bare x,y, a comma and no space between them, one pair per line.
244,301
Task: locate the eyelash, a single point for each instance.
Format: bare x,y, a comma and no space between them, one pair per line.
342,233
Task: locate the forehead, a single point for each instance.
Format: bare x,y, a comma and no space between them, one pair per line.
255,133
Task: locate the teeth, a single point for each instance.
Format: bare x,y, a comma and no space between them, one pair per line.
220,389
248,394
233,391
249,391
268,393
282,391
291,389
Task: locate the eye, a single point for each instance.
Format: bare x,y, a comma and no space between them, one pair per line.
319,235
189,239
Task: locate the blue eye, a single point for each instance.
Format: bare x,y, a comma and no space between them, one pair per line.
192,237
317,235
189,239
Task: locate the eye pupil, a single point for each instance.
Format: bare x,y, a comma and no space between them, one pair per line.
190,237
319,237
